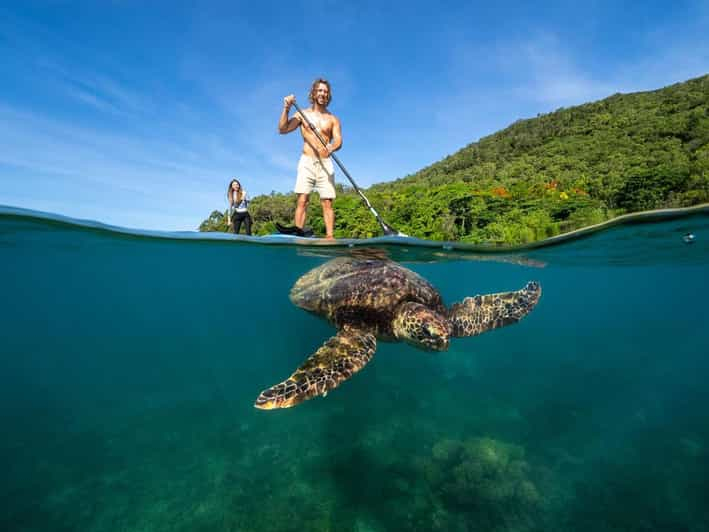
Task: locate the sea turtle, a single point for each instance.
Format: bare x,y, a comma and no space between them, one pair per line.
368,299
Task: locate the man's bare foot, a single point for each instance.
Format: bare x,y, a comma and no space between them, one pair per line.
330,237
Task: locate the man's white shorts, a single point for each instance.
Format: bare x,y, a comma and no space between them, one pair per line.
316,174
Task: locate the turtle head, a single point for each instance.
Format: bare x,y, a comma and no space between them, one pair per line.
422,327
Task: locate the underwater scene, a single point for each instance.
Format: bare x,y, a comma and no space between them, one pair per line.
130,362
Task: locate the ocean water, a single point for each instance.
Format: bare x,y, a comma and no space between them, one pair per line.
130,361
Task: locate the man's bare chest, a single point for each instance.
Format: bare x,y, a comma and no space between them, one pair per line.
322,122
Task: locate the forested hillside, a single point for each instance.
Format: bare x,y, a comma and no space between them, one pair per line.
537,178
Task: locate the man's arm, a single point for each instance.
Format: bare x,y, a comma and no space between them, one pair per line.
336,142
284,124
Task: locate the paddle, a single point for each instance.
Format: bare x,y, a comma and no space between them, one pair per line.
388,230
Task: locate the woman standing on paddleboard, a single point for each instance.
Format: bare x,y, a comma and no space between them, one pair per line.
238,207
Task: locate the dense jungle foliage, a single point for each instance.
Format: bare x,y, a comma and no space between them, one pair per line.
537,178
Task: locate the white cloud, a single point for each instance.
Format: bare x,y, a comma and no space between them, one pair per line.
119,170
549,74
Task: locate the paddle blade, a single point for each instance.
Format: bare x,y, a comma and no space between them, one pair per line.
390,231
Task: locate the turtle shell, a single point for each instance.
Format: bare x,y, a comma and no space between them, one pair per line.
362,292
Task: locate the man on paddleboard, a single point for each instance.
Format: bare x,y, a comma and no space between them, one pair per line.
315,168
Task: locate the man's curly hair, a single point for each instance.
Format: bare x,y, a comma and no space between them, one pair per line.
314,87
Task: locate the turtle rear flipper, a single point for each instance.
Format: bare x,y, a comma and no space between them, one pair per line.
337,360
476,315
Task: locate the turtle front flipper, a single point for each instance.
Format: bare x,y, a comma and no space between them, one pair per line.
337,360
476,315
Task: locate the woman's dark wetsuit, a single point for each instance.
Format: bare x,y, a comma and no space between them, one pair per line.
241,214
239,217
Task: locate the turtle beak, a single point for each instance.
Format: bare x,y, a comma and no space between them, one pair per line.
436,337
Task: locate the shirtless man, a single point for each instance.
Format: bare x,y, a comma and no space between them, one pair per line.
315,169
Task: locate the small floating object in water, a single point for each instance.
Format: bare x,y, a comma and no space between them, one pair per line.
689,238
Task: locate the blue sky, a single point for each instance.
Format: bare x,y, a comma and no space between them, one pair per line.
138,113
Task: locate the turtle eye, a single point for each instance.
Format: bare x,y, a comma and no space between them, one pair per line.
425,333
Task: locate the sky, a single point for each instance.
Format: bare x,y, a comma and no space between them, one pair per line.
138,113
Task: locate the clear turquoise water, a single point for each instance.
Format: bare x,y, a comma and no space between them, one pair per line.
129,364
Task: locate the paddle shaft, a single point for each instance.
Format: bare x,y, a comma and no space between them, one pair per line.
388,230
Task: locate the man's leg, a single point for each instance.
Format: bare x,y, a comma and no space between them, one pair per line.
301,208
328,215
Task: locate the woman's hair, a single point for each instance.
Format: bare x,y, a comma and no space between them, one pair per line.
230,194
314,87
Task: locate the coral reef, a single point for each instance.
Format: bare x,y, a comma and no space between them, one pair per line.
485,479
